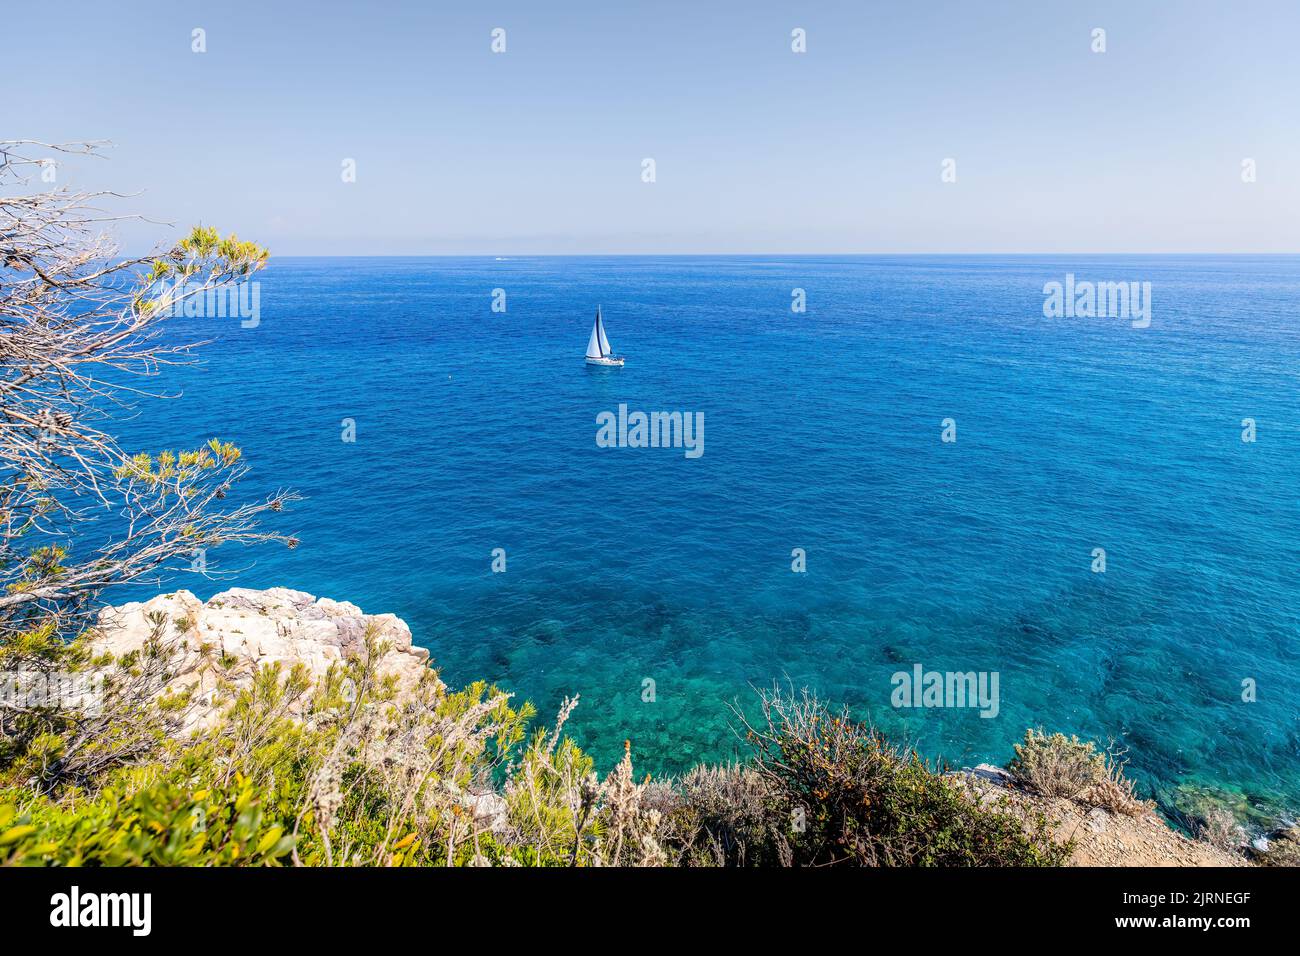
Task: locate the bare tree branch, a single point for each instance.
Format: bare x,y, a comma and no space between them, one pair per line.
78,328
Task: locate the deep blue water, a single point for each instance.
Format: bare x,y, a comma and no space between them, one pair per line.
476,430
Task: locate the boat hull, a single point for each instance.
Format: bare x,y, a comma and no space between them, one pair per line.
607,362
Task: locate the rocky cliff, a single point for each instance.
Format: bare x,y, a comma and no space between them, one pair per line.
230,637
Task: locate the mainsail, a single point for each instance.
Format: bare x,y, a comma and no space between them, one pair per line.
600,331
593,346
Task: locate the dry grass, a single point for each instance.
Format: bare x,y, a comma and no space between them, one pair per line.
1071,769
1056,765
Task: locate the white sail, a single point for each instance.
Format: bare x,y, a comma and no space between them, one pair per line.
593,346
600,332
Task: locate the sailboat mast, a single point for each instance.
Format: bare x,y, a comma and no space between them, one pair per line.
599,351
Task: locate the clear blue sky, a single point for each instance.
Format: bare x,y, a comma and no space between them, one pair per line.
758,149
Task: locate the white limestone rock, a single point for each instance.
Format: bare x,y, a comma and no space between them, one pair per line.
236,632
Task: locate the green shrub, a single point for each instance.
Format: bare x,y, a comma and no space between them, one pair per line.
160,825
346,771
853,798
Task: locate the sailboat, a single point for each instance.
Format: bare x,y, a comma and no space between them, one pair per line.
598,352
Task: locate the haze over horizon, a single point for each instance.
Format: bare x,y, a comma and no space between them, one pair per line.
757,149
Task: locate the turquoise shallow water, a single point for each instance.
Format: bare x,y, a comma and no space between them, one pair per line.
476,430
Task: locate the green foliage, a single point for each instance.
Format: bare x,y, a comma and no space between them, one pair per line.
158,825
352,769
890,809
33,738
853,798
39,643
349,772
204,257
552,795
42,564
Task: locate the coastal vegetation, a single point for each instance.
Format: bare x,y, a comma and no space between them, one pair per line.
355,769
1058,766
79,338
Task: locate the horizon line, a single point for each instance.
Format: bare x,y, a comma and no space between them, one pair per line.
737,255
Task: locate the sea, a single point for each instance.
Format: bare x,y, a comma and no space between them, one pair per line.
905,465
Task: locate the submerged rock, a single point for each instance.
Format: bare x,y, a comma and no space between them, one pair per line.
1279,848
